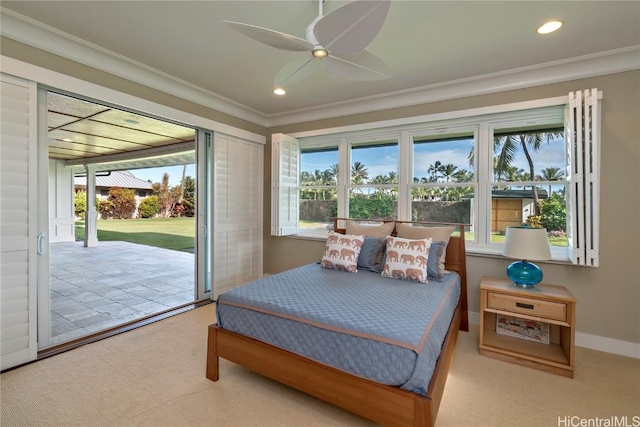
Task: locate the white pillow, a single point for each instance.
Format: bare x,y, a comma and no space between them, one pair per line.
407,259
436,234
341,252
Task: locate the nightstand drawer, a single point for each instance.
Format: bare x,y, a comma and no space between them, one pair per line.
530,306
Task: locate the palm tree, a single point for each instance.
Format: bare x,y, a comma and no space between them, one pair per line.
551,174
448,171
393,179
163,191
306,179
463,176
380,179
508,145
514,173
333,174
359,173
435,170
318,179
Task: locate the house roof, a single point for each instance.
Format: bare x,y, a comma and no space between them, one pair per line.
514,194
122,179
518,194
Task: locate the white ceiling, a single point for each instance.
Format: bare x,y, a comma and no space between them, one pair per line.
425,43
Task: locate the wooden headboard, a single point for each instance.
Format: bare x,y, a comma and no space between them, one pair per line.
455,259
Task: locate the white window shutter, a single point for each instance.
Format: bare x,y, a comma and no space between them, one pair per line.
18,221
237,212
285,173
582,136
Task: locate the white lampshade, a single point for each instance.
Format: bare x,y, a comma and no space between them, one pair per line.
526,243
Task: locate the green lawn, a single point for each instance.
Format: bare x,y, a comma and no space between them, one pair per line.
170,233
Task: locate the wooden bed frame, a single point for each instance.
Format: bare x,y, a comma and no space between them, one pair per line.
387,405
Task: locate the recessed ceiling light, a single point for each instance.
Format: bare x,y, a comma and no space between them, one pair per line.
279,91
549,27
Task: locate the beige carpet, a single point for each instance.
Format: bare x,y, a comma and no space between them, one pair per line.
154,376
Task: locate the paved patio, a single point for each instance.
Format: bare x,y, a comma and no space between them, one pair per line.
115,282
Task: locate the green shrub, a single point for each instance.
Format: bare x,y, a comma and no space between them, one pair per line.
121,203
80,204
189,197
554,213
364,207
149,207
106,208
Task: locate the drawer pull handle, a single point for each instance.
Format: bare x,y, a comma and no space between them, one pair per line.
522,305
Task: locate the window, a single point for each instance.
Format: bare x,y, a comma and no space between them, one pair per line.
373,181
142,194
528,181
318,190
444,179
535,164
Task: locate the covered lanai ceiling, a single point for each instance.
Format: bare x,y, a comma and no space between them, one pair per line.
82,132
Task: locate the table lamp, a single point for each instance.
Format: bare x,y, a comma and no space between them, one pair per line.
526,243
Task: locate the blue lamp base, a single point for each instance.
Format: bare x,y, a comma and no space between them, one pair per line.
524,274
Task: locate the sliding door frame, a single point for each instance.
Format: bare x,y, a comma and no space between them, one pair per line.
204,206
46,80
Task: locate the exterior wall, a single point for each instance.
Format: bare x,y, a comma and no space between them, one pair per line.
507,213
61,214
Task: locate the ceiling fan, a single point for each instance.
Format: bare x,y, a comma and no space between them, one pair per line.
336,42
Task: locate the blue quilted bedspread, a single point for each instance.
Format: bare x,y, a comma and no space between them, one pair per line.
385,330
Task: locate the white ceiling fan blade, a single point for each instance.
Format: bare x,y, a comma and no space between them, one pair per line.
350,28
297,70
272,38
358,66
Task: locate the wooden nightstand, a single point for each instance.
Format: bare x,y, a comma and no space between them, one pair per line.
550,304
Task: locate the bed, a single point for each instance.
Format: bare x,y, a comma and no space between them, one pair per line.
410,396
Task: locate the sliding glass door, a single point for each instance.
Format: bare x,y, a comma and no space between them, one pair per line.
124,204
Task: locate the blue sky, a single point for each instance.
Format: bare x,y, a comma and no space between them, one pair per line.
155,174
382,160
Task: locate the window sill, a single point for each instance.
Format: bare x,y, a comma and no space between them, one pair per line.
489,253
308,237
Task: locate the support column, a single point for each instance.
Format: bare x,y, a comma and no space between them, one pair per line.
91,216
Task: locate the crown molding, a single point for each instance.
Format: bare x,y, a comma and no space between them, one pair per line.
609,62
44,37
38,35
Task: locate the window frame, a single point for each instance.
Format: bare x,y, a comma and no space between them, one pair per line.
547,112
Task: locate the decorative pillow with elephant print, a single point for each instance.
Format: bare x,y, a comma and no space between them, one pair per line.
342,252
407,259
